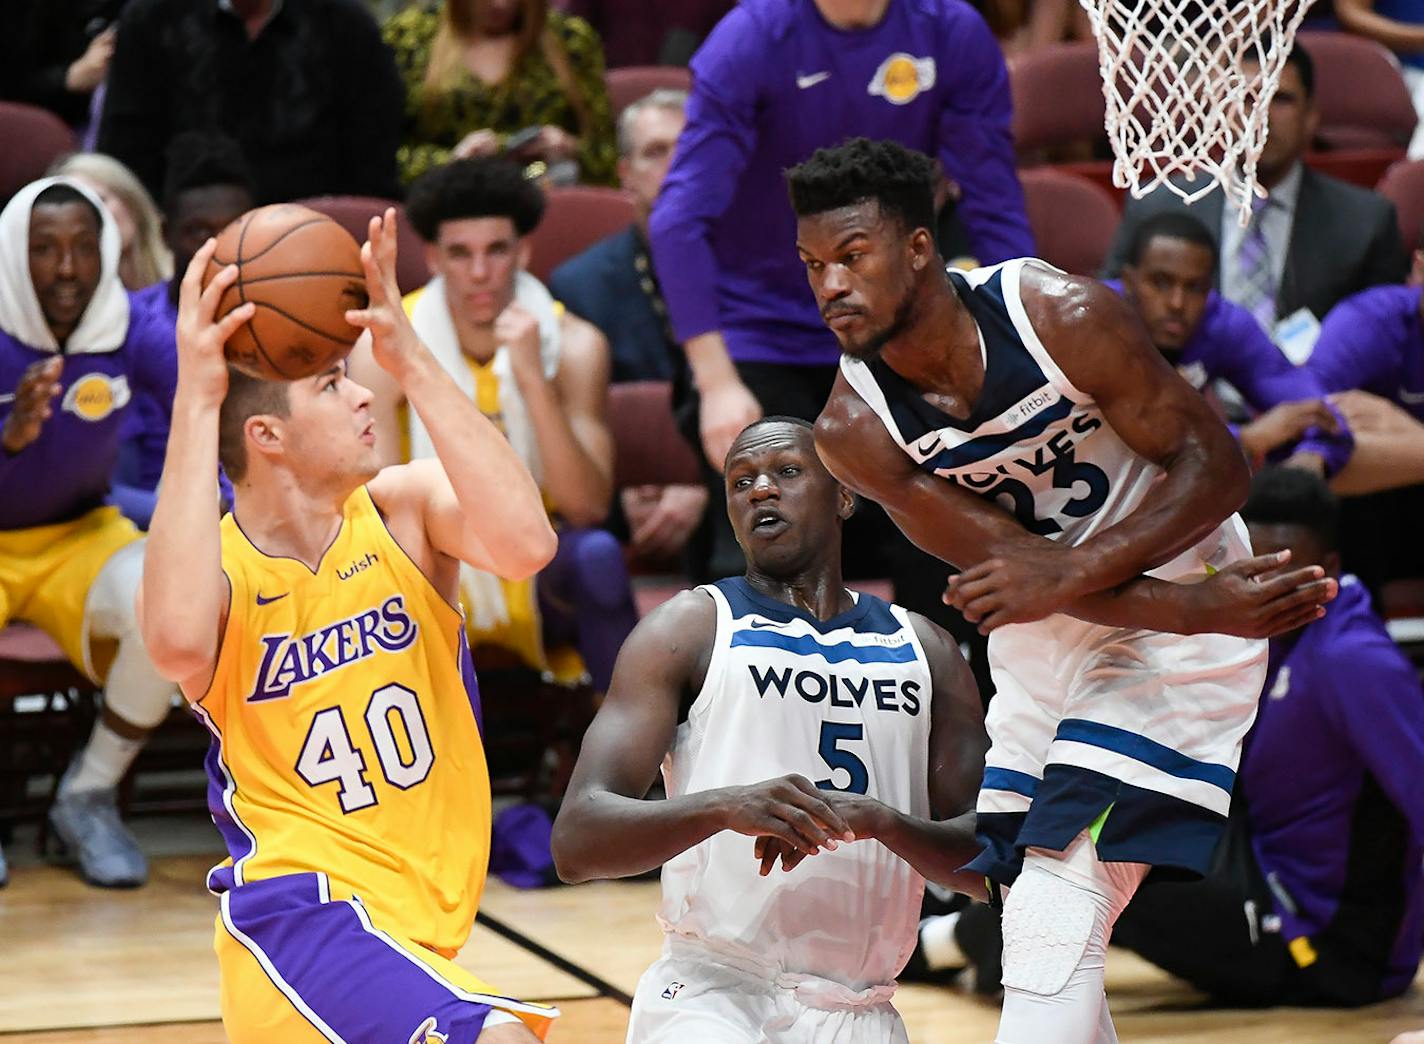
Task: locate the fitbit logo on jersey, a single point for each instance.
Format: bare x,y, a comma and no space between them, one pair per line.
887,694
288,662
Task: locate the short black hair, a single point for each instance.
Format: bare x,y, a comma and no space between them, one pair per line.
246,397
1297,56
473,188
795,422
1170,224
1294,497
198,159
60,194
900,180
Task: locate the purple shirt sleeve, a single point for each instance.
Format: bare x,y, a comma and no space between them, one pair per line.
711,153
1379,704
976,146
1352,350
1231,345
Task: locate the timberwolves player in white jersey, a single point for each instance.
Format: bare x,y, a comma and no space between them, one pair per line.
1017,423
832,728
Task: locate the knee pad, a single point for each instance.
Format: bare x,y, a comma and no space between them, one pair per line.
109,606
1048,924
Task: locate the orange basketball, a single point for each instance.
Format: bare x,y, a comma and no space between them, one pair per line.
303,271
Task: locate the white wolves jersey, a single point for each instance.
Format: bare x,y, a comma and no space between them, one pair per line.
1034,442
846,703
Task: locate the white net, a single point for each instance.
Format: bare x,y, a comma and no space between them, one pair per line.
1188,84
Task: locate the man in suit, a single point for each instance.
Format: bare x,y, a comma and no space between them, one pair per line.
1312,241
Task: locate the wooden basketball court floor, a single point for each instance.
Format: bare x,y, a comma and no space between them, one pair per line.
80,964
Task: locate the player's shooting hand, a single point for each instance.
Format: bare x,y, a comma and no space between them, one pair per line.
202,367
1259,598
789,809
1284,423
1033,583
33,404
394,343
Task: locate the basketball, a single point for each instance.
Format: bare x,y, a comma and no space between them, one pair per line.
303,272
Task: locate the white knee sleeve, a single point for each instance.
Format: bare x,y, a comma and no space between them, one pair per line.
1047,925
134,690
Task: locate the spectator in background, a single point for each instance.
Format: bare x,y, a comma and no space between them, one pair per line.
1318,895
612,284
649,32
1166,276
73,349
63,52
1374,341
306,87
144,258
1399,25
541,375
1311,242
207,187
776,80
489,76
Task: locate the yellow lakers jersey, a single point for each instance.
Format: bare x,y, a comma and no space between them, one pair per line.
343,709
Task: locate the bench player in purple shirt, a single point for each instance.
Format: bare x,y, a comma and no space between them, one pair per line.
208,185
74,349
1167,278
1318,897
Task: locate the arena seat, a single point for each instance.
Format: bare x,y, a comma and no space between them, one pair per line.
1359,91
576,217
628,84
1073,219
1403,185
354,214
1058,97
46,711
30,140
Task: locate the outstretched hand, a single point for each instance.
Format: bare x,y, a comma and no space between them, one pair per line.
394,343
1258,598
202,365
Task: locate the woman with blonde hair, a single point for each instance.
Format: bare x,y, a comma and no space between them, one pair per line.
488,76
145,258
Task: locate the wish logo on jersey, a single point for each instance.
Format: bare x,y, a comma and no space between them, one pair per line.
289,661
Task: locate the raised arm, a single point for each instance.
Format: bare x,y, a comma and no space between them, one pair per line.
183,600
477,502
965,530
605,827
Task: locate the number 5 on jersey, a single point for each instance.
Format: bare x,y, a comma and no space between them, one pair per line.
832,733
330,756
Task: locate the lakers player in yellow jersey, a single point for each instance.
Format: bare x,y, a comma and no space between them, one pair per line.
314,632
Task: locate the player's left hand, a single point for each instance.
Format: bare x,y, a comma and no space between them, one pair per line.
394,342
1284,423
864,815
1032,584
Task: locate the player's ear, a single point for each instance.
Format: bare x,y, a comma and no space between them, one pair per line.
922,249
263,433
845,506
523,254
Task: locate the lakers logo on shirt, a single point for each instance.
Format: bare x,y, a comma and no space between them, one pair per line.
289,661
94,396
902,78
428,1034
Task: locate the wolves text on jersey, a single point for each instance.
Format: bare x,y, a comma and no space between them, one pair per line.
1086,483
838,690
289,661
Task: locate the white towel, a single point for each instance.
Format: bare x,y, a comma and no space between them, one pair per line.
483,593
104,324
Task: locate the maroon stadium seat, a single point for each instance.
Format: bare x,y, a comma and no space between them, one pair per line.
627,85
1073,219
30,140
577,216
1058,96
354,214
1360,92
648,450
1403,185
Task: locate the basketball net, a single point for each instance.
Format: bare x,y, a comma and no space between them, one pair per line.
1188,85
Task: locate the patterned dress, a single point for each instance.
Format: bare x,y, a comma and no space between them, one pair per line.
530,96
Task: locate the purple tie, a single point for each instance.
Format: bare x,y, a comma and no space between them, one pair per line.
1257,292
